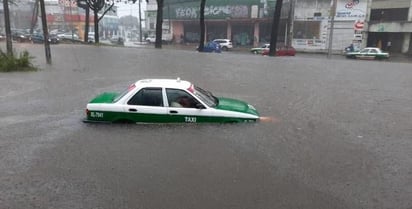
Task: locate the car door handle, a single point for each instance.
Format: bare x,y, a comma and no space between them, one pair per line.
132,110
173,111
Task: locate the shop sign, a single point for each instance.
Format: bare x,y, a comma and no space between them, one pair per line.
351,9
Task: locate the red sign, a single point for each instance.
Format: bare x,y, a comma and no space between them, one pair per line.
358,25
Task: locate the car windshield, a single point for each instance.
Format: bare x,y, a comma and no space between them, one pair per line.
206,96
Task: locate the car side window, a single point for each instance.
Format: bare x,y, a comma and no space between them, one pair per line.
147,97
180,98
373,51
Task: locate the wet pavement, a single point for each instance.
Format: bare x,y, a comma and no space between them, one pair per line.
340,136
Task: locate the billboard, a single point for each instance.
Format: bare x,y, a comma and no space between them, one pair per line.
351,10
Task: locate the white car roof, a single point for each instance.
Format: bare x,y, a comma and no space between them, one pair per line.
373,48
165,83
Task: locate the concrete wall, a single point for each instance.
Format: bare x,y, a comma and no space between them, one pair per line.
390,4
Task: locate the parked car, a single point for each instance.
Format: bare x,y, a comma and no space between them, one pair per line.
151,39
281,51
211,46
90,37
167,101
70,36
2,37
259,50
117,40
20,36
368,53
166,39
225,44
39,38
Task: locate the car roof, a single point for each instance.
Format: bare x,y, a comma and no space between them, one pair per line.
372,48
165,83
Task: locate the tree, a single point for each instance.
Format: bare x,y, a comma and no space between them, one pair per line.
159,23
275,27
7,26
96,6
202,25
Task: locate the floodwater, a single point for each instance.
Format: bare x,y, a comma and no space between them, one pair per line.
340,134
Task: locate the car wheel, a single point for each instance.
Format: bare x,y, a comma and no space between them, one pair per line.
255,52
225,48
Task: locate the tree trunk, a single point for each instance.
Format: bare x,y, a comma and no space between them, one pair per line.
202,26
96,27
86,25
45,32
7,26
275,27
159,23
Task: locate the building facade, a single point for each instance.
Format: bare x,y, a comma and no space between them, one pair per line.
390,25
62,15
305,23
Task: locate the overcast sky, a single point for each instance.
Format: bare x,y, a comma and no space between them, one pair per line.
130,9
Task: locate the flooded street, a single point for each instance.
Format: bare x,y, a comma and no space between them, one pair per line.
340,134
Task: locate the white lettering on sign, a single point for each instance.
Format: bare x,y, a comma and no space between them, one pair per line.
229,10
190,119
96,114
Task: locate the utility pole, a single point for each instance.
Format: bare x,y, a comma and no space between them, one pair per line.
45,32
332,23
140,21
34,16
291,18
7,25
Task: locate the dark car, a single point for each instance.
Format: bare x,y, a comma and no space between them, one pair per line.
282,51
20,36
212,47
39,39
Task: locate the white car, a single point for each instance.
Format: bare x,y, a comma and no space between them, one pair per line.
151,39
225,44
167,101
68,36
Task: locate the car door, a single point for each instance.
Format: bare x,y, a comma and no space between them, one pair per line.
184,107
363,54
146,105
372,53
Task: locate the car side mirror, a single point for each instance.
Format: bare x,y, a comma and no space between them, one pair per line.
200,106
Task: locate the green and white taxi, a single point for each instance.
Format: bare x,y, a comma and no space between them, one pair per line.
369,53
167,101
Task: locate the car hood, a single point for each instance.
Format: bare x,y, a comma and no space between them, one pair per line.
236,106
106,97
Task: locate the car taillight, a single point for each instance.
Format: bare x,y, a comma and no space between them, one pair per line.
87,111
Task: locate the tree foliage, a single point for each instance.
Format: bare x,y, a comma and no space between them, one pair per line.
97,6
